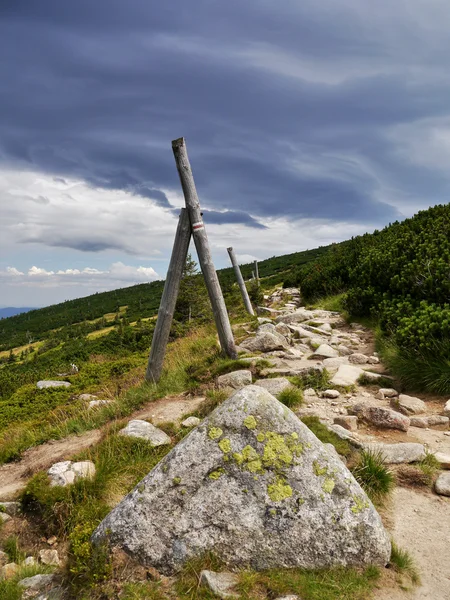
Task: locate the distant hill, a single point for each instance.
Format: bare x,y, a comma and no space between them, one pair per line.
11,311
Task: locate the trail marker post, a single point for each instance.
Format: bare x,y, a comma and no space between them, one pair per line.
240,280
169,298
202,245
256,272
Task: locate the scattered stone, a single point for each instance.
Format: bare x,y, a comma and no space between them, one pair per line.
262,320
98,403
443,459
283,329
297,316
373,360
345,434
375,376
378,416
344,350
408,405
38,582
349,422
294,353
358,359
41,385
87,397
325,327
386,393
274,473
52,540
10,508
30,561
191,422
433,421
266,327
8,571
330,394
395,454
236,379
442,485
221,584
325,351
49,557
145,431
311,392
446,412
275,385
265,342
347,375
4,517
66,472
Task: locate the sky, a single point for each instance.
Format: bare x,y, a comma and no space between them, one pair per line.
306,123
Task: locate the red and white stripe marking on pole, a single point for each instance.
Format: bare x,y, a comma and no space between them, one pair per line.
197,226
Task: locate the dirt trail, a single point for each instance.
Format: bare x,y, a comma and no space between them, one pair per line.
14,476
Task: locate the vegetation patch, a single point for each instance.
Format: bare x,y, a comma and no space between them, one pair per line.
373,475
326,436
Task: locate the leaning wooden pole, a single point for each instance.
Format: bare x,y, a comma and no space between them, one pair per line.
240,280
257,272
169,298
202,245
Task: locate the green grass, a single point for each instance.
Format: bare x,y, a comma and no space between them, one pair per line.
373,475
11,547
402,562
10,589
291,397
334,303
318,380
326,436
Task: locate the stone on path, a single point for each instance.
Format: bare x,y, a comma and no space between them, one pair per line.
275,385
384,418
333,394
358,358
236,379
443,460
67,472
254,485
349,422
446,411
396,454
442,485
386,393
344,350
297,316
191,422
325,351
283,329
222,585
345,434
265,342
408,405
145,431
346,375
433,421
41,385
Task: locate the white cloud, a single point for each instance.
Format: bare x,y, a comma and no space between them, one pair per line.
37,271
13,272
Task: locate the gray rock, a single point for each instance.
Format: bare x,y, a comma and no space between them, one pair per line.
442,485
293,353
408,405
297,316
236,485
221,584
283,329
265,342
311,392
331,394
384,418
266,328
262,320
38,582
443,460
98,403
446,411
358,359
433,421
49,557
346,375
4,517
346,435
236,379
10,508
344,350
396,454
9,570
56,593
41,385
290,597
373,360
191,422
145,431
87,397
386,393
66,472
349,422
325,351
275,385
30,561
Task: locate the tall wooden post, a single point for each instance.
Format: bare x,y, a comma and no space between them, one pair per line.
240,280
169,298
256,271
203,251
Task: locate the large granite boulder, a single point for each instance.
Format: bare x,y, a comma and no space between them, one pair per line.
254,485
265,342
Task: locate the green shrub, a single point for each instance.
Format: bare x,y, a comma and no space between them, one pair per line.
373,475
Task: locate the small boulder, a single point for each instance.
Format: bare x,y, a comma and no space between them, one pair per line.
344,350
98,403
4,517
236,379
384,418
346,375
408,405
265,342
41,385
333,394
49,557
349,422
325,351
145,431
386,393
4,558
37,582
275,385
358,359
442,485
297,316
402,453
443,460
9,570
84,469
433,421
373,360
10,508
30,561
446,411
346,435
222,585
66,472
310,392
87,397
283,329
191,422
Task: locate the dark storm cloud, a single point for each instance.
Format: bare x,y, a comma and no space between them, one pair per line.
275,100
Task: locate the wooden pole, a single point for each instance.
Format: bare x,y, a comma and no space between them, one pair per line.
240,280
202,245
256,271
169,298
